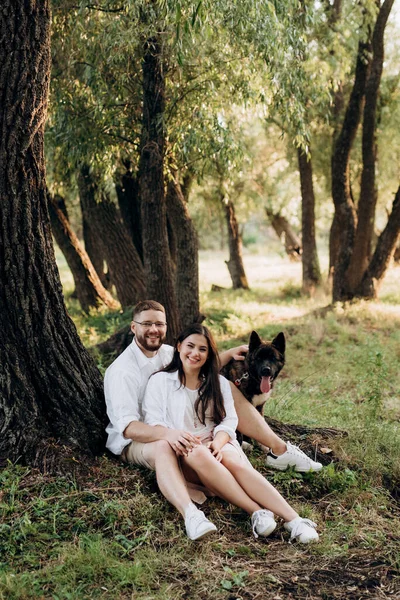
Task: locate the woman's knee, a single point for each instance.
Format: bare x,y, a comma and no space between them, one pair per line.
200,456
232,463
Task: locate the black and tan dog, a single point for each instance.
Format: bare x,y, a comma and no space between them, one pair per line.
255,375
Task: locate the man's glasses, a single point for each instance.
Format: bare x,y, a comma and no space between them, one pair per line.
148,324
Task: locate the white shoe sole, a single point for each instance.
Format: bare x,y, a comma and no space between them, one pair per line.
203,534
284,467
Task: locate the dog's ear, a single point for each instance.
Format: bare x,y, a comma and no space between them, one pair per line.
254,341
279,342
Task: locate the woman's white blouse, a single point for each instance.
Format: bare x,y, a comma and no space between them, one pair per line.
164,404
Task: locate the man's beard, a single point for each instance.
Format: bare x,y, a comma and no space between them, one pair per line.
150,344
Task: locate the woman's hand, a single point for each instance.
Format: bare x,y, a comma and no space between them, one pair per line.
215,449
181,442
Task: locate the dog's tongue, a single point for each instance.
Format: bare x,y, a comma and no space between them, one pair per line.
265,384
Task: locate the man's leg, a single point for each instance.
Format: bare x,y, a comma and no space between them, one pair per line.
252,424
282,454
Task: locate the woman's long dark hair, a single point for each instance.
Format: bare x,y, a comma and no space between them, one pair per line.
210,395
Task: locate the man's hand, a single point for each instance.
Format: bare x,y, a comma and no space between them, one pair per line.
182,442
239,353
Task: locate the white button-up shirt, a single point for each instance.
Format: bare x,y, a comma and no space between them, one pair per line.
165,402
125,381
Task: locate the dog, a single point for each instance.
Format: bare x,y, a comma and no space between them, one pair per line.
255,375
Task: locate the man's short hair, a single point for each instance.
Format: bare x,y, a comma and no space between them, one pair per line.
147,305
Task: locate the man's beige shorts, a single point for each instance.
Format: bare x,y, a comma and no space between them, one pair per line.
133,453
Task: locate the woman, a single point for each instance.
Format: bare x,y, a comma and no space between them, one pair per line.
191,396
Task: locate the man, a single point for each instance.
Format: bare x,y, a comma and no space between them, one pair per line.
157,447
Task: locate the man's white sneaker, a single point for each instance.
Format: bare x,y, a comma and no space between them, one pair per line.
293,457
302,530
196,523
263,523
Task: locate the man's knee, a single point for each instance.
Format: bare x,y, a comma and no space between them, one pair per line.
154,452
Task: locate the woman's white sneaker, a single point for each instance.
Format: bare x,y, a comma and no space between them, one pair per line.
263,523
302,530
293,457
196,523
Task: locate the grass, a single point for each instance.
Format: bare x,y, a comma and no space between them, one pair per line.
105,532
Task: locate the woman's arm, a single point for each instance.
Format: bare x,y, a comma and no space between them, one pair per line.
230,422
154,414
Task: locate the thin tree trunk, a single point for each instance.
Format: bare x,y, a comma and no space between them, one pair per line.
345,213
89,290
187,255
384,251
122,258
361,254
93,244
156,256
310,262
285,233
50,388
235,263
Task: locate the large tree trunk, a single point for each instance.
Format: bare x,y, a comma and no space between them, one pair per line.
50,388
127,189
368,192
310,262
187,255
123,261
156,256
88,287
384,251
345,214
285,233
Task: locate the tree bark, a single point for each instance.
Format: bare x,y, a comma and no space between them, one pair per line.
50,388
310,262
345,213
361,254
187,255
123,261
156,255
284,230
128,200
88,287
384,251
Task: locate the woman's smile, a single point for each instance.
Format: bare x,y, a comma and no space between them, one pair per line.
193,351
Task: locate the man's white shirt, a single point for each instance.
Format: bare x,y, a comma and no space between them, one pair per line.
125,382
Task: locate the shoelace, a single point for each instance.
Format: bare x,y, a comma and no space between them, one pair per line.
295,531
197,518
291,447
258,518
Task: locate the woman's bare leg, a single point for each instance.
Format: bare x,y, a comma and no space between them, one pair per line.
258,488
169,475
218,479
